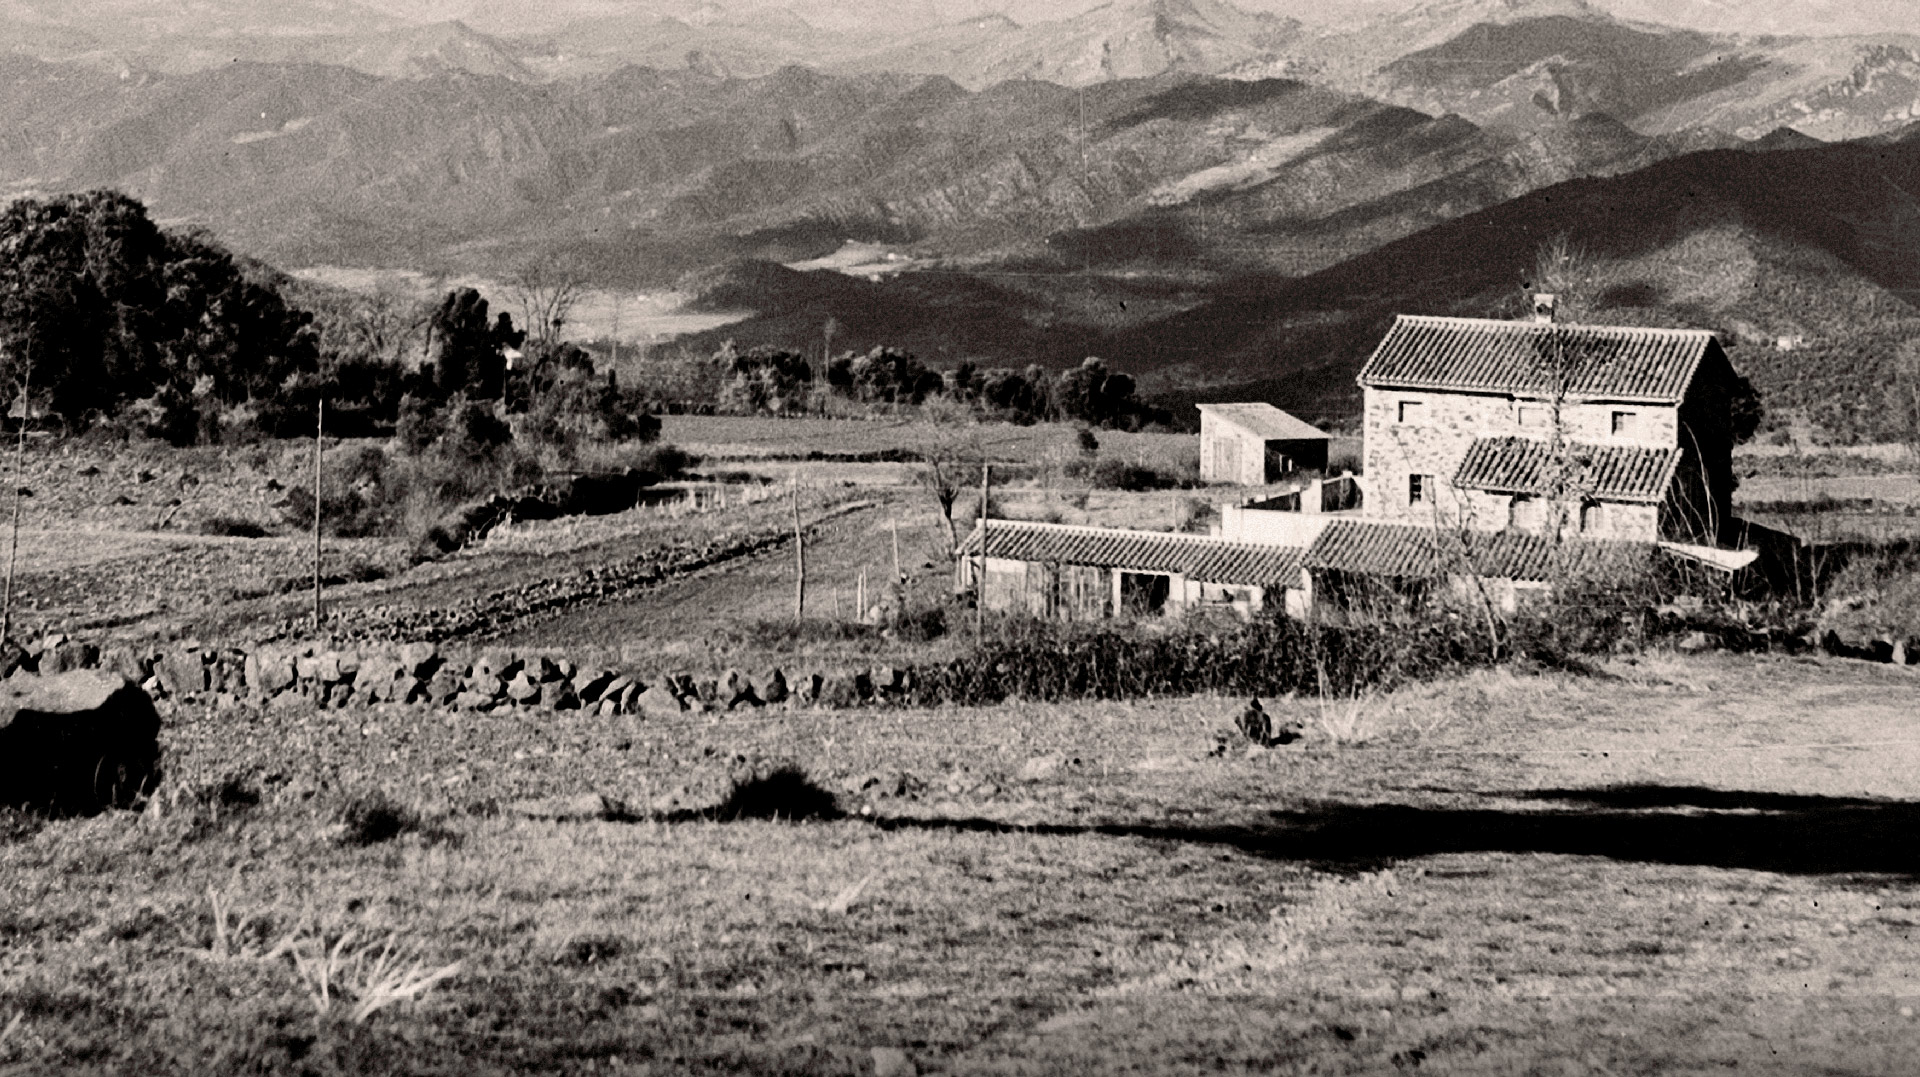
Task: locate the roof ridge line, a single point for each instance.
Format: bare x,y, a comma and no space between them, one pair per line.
1457,319
1097,529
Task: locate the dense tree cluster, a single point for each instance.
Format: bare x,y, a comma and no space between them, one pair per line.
106,317
99,308
776,381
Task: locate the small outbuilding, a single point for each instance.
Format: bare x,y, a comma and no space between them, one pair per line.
1256,444
1070,573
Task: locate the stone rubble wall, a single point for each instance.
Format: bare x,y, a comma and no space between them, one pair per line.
421,674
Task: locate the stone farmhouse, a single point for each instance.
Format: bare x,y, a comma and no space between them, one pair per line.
1599,432
1256,444
1499,458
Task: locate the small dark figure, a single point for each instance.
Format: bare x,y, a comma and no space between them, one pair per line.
1255,724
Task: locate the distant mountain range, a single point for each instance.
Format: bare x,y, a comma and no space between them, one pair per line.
643,174
1226,199
1509,62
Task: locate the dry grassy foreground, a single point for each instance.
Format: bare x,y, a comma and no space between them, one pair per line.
1680,867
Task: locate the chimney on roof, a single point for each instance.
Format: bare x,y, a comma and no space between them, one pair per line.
1544,306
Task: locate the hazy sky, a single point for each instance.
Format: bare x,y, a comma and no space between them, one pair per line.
1748,16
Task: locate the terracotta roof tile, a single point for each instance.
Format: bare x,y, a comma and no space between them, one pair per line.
1481,355
1529,466
1408,550
1199,557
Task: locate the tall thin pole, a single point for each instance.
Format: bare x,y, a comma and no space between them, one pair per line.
893,523
980,590
799,553
19,467
319,430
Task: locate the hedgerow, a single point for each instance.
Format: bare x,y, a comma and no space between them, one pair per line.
1268,658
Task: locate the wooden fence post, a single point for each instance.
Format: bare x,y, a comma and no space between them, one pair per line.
19,463
319,430
980,585
799,555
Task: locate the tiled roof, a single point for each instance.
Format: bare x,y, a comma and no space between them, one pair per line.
1528,466
1408,550
1264,421
1199,557
1479,355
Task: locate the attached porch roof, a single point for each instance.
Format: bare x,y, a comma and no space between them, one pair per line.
1516,465
1198,557
1413,551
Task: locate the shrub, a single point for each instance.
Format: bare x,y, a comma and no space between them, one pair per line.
371,818
1876,592
1108,473
473,433
784,793
573,411
234,527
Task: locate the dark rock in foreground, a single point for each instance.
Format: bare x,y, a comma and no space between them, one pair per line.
76,742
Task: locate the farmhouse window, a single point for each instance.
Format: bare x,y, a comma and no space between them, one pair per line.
1412,411
1593,518
1419,488
1626,424
1533,416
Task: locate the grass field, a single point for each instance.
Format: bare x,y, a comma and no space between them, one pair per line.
1671,866
1681,866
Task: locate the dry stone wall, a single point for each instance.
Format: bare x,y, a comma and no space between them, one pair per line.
422,674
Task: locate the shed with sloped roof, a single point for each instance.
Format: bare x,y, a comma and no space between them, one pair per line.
1254,444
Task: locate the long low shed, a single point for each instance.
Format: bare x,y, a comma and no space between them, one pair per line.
1087,573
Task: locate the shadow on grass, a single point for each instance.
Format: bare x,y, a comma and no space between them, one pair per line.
1683,825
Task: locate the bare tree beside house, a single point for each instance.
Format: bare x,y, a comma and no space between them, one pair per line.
945,476
546,289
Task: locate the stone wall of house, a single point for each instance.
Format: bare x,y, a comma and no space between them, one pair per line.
1621,520
1434,444
1431,445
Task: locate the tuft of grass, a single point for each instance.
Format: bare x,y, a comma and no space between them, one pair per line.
236,936
1350,721
842,903
370,975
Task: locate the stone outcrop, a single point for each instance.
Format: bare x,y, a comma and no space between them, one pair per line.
76,741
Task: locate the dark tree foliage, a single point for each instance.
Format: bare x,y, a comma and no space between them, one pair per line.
229,327
107,308
883,376
1092,394
1745,408
766,379
469,349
